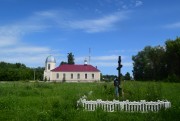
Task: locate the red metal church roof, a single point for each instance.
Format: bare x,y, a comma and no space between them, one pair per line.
75,68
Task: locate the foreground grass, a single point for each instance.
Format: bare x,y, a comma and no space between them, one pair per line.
26,101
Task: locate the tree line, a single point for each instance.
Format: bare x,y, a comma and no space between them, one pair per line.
110,78
18,71
151,63
159,62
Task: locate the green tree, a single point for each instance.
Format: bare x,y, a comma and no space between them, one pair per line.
173,58
150,64
39,73
108,78
62,62
127,76
18,71
70,58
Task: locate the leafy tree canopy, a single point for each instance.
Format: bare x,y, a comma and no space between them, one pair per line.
159,62
18,71
70,58
127,76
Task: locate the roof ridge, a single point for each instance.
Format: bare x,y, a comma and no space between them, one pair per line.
75,68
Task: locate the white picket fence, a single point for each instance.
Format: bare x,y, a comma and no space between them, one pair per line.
115,105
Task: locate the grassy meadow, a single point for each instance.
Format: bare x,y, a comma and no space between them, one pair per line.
40,101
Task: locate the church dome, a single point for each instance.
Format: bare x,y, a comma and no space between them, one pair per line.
50,59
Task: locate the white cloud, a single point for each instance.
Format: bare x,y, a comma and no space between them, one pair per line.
47,14
67,20
26,54
125,51
105,58
25,49
7,41
29,60
12,34
173,25
8,36
112,64
100,58
105,23
13,49
125,7
138,3
105,64
105,61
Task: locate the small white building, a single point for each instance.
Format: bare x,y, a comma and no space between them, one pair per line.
70,72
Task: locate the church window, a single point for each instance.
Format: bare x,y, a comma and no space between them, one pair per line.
92,76
85,76
57,75
64,76
78,76
49,66
71,76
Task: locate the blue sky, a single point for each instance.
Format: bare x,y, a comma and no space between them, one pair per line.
30,30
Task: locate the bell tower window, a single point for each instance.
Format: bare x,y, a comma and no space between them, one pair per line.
49,66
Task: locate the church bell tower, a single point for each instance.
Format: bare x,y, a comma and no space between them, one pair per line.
50,64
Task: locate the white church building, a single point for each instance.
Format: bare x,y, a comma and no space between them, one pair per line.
70,72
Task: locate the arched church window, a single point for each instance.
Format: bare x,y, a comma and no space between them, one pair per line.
49,66
64,76
85,76
92,76
57,75
78,76
71,76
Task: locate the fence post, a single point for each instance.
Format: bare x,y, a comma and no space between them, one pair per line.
167,104
143,106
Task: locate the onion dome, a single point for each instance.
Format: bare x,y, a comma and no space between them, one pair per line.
50,59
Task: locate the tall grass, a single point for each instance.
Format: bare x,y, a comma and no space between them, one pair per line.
39,101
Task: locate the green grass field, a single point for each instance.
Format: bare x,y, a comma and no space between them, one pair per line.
33,101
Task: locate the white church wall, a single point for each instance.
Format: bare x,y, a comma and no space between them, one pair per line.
73,76
47,75
50,66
